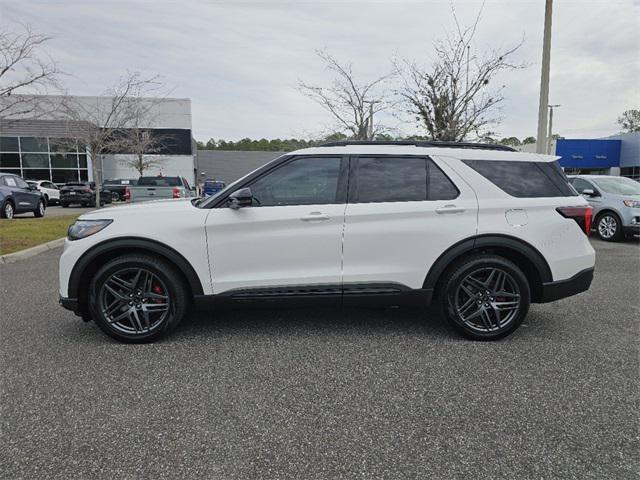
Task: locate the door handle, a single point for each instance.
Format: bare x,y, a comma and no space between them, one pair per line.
449,209
315,217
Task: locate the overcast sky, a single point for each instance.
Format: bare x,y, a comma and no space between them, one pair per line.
239,61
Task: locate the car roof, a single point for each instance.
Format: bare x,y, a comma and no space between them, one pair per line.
402,149
591,176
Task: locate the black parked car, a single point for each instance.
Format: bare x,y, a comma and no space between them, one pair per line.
118,187
83,193
16,196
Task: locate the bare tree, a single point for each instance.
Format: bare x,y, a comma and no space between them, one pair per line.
353,105
100,125
455,98
630,120
24,69
144,145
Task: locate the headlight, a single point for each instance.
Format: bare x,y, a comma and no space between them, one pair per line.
85,228
632,203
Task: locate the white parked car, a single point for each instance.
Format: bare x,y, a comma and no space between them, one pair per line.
482,231
49,190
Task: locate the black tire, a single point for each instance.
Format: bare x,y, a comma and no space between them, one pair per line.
46,200
493,322
170,282
609,227
7,210
40,209
64,205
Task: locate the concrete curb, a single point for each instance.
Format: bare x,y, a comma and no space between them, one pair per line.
30,252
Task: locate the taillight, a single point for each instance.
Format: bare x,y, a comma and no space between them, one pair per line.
582,215
176,192
87,190
127,194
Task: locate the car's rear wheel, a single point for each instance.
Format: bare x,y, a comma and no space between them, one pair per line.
609,227
137,298
40,209
485,297
8,210
64,204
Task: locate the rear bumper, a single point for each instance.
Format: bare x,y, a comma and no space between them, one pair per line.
85,197
579,283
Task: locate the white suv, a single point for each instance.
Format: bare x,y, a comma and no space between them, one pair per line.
480,230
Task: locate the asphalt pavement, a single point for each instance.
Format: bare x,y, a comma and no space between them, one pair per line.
323,393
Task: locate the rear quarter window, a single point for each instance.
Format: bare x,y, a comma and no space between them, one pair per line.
525,179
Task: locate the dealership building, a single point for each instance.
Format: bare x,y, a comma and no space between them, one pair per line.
37,145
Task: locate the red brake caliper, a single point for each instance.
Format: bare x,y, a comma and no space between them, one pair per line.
158,289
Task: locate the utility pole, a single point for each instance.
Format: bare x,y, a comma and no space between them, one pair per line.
550,135
541,144
370,122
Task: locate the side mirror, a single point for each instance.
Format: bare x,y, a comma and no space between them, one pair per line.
240,198
32,187
589,192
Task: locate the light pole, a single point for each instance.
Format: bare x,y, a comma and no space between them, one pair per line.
370,122
541,144
550,135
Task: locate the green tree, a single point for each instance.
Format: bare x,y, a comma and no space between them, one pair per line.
529,140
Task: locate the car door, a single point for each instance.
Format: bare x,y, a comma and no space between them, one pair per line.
51,190
291,235
26,200
595,200
403,212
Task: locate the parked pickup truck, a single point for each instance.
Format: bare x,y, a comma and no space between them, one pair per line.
157,188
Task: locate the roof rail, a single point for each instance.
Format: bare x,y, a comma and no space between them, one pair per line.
422,143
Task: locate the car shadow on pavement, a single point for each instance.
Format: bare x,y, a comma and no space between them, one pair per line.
304,321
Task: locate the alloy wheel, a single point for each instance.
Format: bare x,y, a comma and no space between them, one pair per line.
134,301
41,208
487,299
8,210
607,226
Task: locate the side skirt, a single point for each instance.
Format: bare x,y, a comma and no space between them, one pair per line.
355,294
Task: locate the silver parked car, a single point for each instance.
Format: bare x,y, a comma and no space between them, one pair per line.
615,201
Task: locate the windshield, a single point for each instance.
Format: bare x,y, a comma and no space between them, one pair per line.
159,182
618,185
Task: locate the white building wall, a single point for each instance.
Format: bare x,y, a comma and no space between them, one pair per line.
171,165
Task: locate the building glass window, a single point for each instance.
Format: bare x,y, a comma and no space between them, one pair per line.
9,144
11,160
63,145
82,159
33,144
61,160
64,176
36,174
35,160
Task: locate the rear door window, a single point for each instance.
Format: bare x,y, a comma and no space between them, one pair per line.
524,179
390,179
400,179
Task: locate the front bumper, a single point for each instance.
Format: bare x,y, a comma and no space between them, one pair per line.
70,304
579,283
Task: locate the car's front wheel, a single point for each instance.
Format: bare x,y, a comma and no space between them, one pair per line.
137,298
40,209
609,227
485,297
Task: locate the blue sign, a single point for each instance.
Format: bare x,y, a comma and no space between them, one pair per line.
588,153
